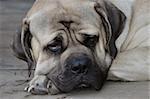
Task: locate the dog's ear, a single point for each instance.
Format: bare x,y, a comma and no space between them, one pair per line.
113,21
22,45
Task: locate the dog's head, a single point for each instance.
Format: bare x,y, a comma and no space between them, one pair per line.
70,41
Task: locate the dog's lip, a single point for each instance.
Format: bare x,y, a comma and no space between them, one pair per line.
84,85
93,80
67,85
80,84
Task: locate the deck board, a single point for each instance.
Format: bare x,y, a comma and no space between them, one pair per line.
11,14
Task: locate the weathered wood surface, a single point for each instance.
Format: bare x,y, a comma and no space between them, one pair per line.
11,14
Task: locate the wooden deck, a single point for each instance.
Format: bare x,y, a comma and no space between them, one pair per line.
12,70
11,14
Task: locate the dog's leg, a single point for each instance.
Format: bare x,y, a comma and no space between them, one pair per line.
40,84
132,65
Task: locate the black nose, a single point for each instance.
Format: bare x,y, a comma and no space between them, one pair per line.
79,63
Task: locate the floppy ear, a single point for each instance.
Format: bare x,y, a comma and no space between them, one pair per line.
113,21
22,45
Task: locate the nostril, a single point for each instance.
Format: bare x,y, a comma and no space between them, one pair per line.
78,63
84,68
79,69
75,69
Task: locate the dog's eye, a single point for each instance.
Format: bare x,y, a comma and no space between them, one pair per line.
90,40
55,46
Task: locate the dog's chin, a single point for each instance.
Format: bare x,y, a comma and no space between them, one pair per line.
90,81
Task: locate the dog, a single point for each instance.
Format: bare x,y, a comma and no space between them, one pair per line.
83,43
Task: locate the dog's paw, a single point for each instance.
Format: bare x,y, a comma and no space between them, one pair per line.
38,85
52,89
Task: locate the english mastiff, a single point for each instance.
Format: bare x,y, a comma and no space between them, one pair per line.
82,43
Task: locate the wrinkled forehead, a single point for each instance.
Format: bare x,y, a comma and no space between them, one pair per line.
45,17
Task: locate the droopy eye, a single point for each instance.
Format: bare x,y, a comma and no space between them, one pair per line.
55,46
90,40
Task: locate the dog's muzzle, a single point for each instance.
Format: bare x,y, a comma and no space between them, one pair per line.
78,70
